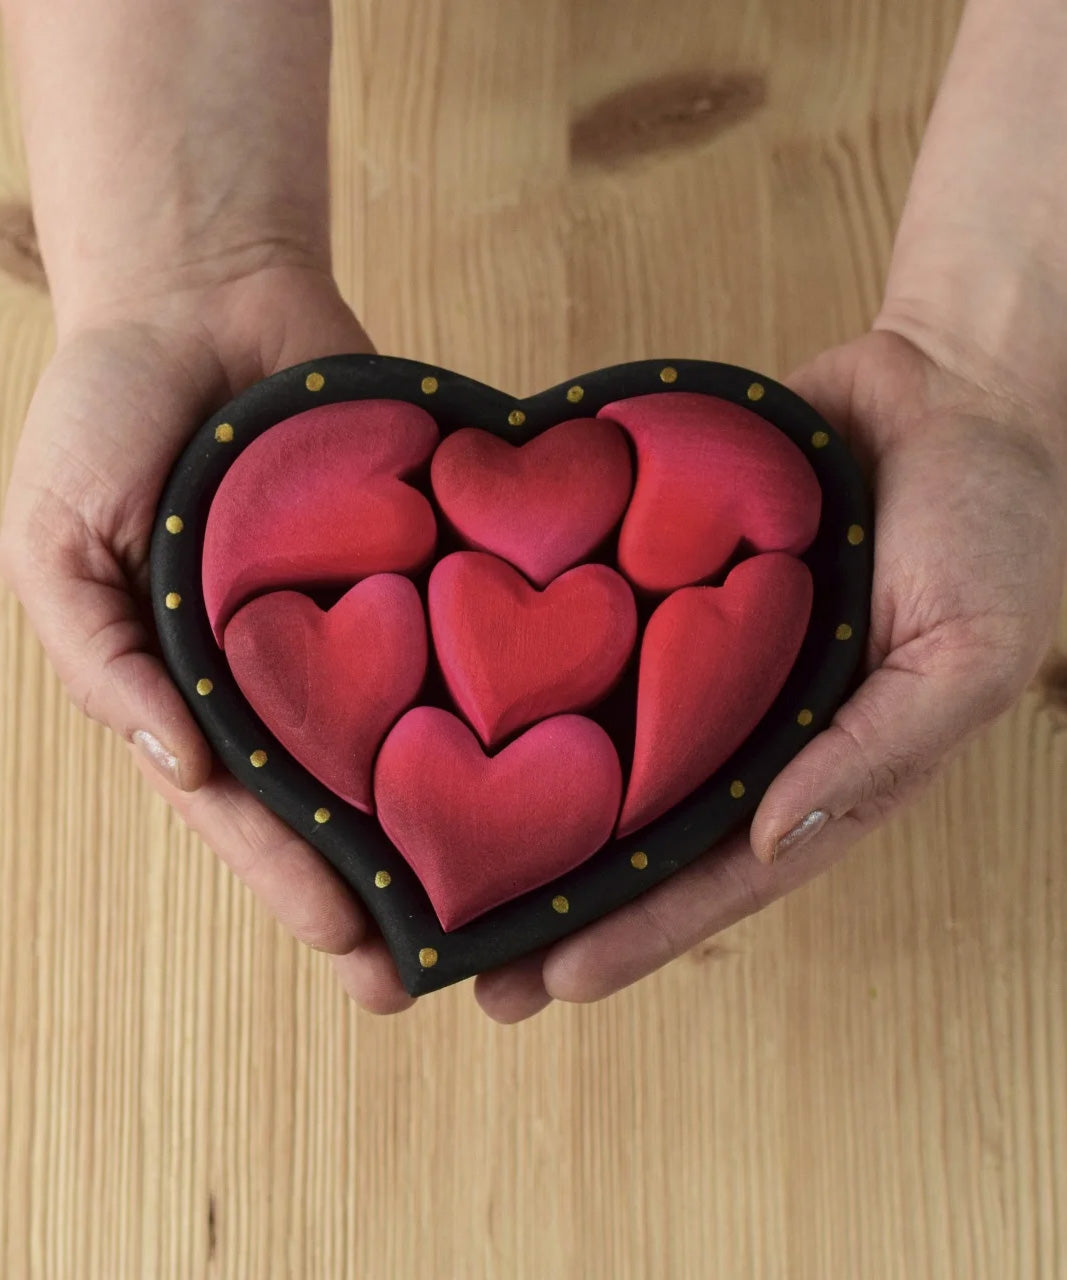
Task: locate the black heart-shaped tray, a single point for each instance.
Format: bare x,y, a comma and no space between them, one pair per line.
840,560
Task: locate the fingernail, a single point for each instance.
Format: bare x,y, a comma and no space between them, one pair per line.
801,833
157,753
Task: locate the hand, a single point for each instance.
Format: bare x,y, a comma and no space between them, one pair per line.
112,412
969,558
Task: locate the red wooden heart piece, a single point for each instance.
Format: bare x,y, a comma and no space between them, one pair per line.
710,475
511,654
542,506
329,684
480,830
713,659
318,501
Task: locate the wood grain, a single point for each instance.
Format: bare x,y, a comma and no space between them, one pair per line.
869,1080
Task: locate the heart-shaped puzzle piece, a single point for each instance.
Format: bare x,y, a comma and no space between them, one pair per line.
328,684
511,654
480,830
710,475
542,506
713,659
318,501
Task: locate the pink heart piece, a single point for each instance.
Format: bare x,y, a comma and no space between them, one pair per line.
713,659
318,501
480,830
511,654
710,475
329,684
544,505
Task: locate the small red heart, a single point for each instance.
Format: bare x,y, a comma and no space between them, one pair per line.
329,684
710,474
511,654
480,830
317,501
713,659
542,506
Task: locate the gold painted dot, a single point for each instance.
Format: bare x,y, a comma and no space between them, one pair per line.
639,861
516,418
574,394
204,687
172,599
843,632
224,433
383,879
737,788
755,391
804,718
314,382
668,374
175,524
560,905
429,386
855,534
820,439
258,759
428,957
321,816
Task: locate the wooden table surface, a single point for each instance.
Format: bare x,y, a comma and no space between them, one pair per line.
867,1081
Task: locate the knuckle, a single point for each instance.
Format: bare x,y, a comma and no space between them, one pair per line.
887,778
749,895
662,932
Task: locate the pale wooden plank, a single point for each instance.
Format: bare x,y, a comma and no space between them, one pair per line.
867,1080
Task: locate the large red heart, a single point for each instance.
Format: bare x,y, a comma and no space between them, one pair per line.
329,684
318,502
330,471
713,659
711,476
481,830
543,506
511,654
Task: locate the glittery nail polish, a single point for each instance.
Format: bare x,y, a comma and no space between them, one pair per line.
154,750
800,834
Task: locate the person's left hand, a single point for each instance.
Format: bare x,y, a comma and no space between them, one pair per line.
969,555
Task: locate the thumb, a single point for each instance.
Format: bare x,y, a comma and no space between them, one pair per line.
888,740
88,621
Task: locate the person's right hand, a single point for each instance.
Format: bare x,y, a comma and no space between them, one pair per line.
111,414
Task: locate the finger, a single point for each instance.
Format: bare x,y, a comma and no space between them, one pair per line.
91,629
369,976
721,887
884,744
515,991
291,880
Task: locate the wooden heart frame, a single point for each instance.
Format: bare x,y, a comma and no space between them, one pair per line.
840,560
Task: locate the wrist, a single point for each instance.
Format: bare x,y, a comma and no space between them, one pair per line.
190,283
237,330
989,313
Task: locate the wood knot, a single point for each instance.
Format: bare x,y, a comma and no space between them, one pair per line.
709,951
663,116
20,255
1051,686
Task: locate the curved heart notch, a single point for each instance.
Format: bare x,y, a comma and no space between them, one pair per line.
713,659
319,501
711,477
